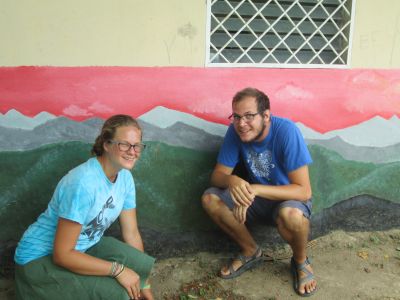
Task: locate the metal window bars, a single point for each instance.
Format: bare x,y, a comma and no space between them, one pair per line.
279,33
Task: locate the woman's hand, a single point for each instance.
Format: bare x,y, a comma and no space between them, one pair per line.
130,280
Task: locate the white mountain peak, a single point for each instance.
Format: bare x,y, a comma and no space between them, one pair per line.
15,119
44,114
375,132
309,133
43,117
395,120
164,117
14,113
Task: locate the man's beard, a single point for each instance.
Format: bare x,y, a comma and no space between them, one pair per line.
264,126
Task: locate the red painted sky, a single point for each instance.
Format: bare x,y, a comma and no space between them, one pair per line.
323,99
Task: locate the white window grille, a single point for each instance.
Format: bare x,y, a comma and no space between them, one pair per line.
279,33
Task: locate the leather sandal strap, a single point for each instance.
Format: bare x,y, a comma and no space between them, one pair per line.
302,268
303,265
244,259
306,279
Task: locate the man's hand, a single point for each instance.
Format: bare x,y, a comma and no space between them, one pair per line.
241,191
239,212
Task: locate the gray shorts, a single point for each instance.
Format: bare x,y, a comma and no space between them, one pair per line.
262,210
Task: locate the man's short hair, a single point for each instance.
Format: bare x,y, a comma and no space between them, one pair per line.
261,98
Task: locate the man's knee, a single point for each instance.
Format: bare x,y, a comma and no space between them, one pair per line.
292,219
210,202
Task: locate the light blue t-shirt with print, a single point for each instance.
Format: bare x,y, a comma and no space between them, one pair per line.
86,196
270,161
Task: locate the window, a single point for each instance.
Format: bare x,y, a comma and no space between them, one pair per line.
279,33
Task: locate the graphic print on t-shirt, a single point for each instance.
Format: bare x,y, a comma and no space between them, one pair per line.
260,163
99,224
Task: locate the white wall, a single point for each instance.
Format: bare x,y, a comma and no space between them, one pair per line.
154,33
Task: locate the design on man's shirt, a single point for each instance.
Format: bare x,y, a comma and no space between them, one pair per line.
99,224
260,163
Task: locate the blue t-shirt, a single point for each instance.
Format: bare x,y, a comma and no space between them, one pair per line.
86,196
268,162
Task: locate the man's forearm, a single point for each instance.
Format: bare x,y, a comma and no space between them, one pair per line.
282,192
219,179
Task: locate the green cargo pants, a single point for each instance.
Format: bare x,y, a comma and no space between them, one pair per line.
41,279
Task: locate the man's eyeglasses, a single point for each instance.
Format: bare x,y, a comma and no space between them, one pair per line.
125,146
246,117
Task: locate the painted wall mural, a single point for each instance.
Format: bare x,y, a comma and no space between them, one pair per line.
51,115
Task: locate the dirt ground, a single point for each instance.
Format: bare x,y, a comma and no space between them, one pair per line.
348,265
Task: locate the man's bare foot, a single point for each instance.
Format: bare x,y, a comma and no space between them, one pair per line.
303,277
241,264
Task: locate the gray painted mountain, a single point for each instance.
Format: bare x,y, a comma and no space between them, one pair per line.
181,134
94,122
375,132
189,132
163,117
57,130
62,129
360,153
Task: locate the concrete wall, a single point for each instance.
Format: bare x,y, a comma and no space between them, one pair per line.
102,33
151,64
376,40
154,33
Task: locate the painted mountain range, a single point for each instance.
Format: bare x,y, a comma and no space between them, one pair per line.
175,169
376,140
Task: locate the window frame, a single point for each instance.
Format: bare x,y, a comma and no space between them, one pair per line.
277,65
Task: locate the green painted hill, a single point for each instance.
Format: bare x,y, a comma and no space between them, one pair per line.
28,180
170,181
335,179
